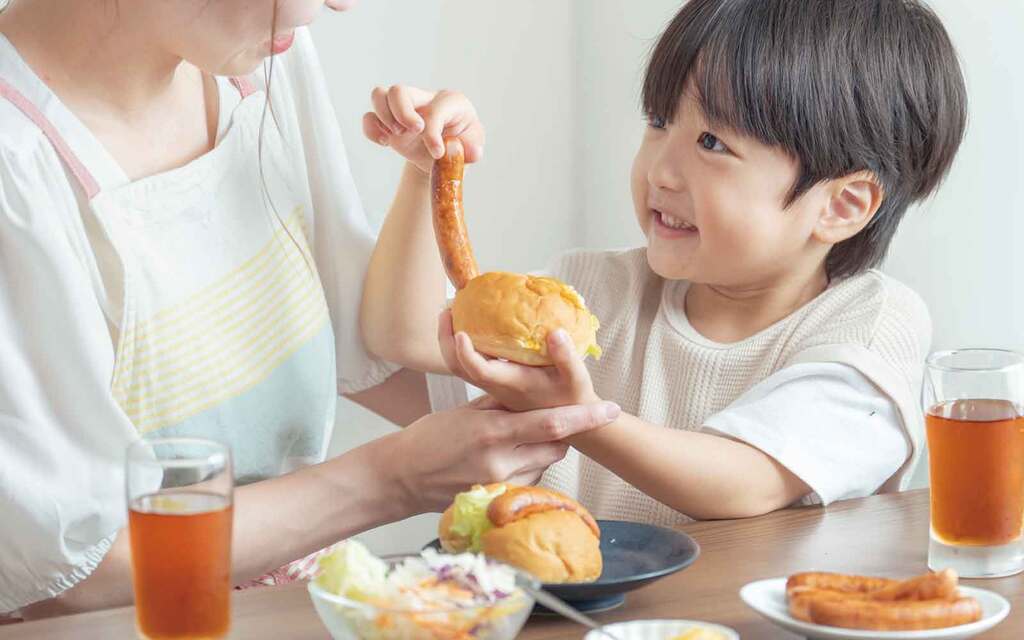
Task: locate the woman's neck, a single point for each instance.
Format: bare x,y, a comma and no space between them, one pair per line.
95,55
105,61
729,314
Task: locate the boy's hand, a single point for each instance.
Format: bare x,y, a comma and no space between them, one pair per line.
414,122
516,386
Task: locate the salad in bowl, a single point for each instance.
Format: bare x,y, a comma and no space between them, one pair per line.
429,596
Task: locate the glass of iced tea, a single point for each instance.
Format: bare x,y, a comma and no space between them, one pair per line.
974,414
179,522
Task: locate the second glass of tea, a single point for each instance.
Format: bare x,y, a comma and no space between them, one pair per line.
974,414
179,523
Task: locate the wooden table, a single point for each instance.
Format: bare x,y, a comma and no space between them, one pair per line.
885,535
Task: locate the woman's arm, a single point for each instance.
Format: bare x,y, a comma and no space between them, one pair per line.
275,522
402,398
412,471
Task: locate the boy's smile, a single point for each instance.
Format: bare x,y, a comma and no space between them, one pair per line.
711,202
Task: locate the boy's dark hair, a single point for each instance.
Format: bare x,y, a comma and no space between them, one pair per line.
841,85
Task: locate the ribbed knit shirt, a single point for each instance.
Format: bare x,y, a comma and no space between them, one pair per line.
660,369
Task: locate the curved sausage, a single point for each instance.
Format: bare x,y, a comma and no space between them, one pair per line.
449,224
837,582
895,615
522,502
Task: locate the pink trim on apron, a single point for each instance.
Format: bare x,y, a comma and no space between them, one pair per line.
82,175
78,170
244,85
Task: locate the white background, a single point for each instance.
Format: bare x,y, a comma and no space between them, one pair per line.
557,82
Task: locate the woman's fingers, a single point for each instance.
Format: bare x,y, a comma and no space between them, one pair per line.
534,458
547,425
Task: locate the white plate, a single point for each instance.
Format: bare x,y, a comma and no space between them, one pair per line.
768,597
658,630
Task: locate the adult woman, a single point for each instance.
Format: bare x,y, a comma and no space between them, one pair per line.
178,259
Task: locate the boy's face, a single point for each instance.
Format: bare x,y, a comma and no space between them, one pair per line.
710,202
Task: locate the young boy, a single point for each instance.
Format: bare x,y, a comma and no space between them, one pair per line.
759,359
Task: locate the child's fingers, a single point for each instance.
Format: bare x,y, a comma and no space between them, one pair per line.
446,340
473,364
379,99
473,141
449,112
402,108
567,361
375,130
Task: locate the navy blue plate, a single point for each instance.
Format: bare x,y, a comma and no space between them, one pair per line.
634,555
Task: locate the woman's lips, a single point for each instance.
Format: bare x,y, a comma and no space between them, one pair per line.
282,43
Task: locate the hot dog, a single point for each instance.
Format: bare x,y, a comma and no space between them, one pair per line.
930,586
894,615
837,582
929,601
449,224
522,502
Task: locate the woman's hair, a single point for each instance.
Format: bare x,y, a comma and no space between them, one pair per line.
842,86
268,109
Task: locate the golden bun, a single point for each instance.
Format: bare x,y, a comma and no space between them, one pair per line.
540,531
553,546
509,315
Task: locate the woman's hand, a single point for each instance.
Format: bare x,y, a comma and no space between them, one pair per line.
444,453
414,122
515,386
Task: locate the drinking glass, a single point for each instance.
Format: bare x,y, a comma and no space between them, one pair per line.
974,415
179,522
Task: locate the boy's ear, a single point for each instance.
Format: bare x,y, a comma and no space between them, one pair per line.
852,202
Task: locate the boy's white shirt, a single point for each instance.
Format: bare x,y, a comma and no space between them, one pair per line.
831,391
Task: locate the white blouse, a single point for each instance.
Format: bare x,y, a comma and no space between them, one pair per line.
63,433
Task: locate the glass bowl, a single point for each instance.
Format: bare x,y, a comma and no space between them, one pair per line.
348,619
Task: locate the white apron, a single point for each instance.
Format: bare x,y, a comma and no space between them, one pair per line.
219,319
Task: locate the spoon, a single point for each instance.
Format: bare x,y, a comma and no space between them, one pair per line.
562,608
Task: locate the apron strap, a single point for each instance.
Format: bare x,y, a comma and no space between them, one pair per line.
78,170
85,179
244,85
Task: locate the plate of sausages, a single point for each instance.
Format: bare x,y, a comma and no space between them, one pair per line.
849,607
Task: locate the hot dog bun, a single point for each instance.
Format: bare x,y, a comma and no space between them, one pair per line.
540,531
509,315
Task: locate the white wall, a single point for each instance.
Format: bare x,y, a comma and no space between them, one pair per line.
557,85
964,249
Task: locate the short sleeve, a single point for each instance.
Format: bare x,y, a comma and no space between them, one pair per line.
825,422
62,436
342,237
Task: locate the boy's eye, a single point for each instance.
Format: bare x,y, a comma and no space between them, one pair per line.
711,143
655,122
